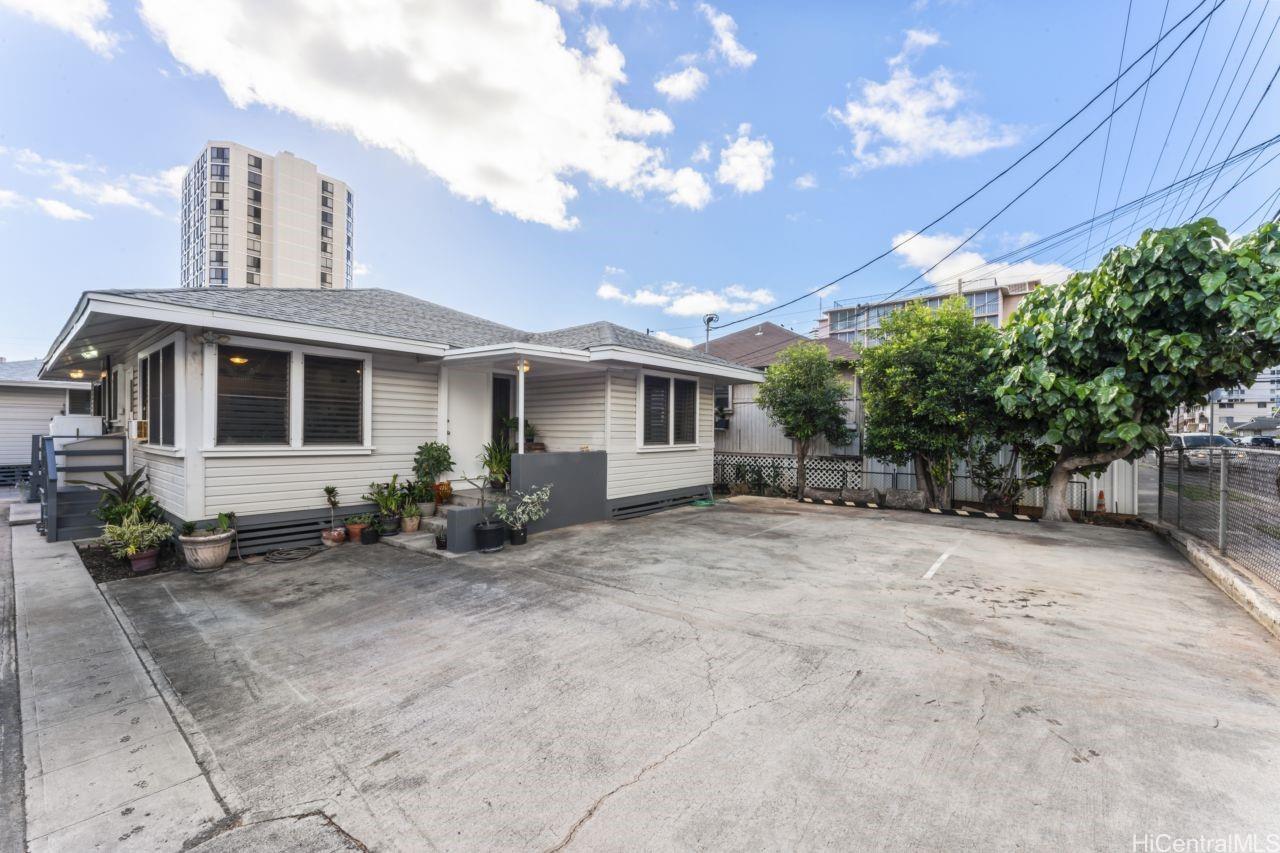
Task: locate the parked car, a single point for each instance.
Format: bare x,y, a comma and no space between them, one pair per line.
1198,448
1261,441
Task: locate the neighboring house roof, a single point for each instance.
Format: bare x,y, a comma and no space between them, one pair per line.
758,346
376,311
1259,425
28,371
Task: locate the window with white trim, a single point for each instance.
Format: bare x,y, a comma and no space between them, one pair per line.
157,378
292,396
668,411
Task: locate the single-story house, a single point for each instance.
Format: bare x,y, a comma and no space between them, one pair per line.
1269,426
741,425
252,400
27,403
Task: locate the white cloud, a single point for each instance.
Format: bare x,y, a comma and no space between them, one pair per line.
92,183
9,198
688,188
927,249
612,270
682,85
683,300
687,343
724,42
908,119
746,164
84,19
807,181
490,97
702,154
61,210
360,270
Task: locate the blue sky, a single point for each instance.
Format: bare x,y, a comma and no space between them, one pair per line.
541,182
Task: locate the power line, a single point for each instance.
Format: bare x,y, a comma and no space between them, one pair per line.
997,176
1064,157
1168,134
1191,141
1106,148
1142,106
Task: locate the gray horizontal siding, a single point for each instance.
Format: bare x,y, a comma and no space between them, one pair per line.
25,412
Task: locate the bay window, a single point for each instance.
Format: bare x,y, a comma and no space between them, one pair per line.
668,411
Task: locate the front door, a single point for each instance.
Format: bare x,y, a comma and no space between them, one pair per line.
470,421
501,408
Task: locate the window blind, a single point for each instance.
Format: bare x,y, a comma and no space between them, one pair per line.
253,396
657,392
332,398
686,411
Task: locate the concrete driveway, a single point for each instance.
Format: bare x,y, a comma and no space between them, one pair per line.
754,676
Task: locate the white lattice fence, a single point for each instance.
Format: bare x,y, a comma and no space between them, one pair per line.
764,471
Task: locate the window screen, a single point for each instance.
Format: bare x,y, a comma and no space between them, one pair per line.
657,393
153,398
166,395
253,396
686,412
332,397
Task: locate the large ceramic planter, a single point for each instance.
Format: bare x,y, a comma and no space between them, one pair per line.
207,553
409,523
389,525
144,561
490,536
426,509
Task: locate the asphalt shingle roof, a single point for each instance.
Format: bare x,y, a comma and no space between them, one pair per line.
386,312
19,371
758,346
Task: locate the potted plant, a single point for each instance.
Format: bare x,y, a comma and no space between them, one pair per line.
207,550
137,539
334,534
386,496
489,533
495,459
356,526
432,459
443,492
521,510
442,541
410,515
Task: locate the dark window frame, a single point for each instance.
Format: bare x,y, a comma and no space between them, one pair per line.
670,408
233,432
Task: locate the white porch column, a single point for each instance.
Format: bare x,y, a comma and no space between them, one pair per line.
520,370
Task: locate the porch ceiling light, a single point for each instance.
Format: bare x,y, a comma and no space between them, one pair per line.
238,359
523,365
76,374
91,352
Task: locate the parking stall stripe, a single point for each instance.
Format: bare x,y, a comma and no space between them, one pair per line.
937,564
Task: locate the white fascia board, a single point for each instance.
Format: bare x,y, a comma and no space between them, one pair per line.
516,350
671,362
73,325
49,384
222,320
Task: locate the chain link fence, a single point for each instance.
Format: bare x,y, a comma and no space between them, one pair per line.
1230,498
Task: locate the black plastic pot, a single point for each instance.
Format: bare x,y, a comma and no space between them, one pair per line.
370,535
442,542
490,536
390,524
518,535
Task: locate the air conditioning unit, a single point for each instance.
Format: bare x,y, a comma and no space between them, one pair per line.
138,430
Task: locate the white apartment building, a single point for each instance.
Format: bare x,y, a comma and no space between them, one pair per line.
253,220
990,301
1240,406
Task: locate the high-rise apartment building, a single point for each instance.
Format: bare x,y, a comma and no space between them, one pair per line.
252,220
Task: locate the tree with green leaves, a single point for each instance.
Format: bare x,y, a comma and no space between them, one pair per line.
1098,363
803,394
928,391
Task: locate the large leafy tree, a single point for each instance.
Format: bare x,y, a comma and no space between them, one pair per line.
803,394
929,391
1098,364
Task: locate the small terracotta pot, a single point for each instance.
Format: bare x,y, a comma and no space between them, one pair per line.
354,531
444,492
333,536
144,561
409,523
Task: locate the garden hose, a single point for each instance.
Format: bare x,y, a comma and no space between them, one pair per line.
291,555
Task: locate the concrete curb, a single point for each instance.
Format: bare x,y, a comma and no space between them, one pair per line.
224,790
1240,584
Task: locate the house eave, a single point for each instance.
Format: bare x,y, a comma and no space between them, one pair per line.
645,358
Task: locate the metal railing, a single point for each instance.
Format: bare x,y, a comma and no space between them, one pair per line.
1230,498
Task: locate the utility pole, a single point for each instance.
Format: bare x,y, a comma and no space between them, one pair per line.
707,320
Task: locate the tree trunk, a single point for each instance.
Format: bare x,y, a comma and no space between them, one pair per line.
802,453
1068,463
924,479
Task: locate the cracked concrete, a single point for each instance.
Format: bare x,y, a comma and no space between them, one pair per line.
750,676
